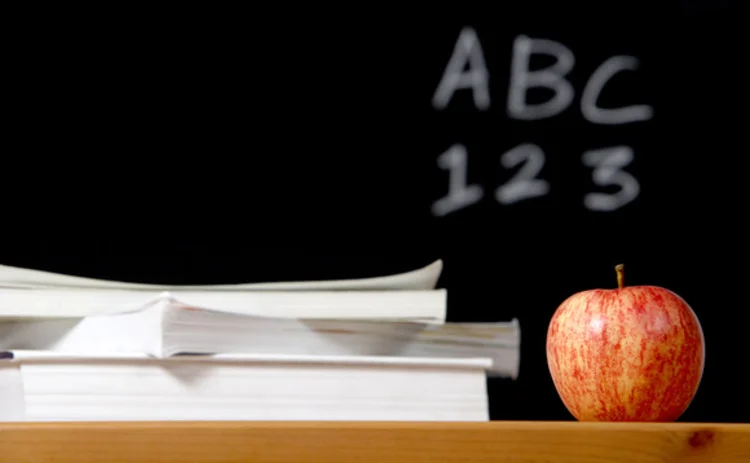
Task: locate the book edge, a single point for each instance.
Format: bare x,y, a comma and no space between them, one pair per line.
33,278
29,356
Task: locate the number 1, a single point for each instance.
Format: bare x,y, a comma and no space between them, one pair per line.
460,194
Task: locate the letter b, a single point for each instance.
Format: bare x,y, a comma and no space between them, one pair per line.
551,77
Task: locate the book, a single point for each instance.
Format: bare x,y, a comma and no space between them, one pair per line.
424,305
167,328
43,386
425,278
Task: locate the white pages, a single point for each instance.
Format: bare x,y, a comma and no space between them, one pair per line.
421,279
40,386
423,305
167,329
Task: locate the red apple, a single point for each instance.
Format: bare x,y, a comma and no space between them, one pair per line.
627,354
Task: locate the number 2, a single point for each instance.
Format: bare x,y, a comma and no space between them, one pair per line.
608,164
525,184
460,194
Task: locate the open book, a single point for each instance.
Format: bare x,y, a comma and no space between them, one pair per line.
421,279
166,329
427,306
409,296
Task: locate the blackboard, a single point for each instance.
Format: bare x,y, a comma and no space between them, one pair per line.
189,146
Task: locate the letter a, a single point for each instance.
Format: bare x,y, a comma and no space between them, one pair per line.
552,77
467,51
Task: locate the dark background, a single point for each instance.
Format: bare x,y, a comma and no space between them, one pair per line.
197,146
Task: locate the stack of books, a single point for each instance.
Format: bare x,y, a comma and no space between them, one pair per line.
82,349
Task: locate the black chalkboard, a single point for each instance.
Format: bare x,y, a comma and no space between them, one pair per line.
223,146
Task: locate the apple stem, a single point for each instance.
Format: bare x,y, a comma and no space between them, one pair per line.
620,269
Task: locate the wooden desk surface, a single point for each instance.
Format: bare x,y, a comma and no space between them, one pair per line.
365,442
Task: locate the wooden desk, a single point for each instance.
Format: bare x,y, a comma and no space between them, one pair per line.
331,442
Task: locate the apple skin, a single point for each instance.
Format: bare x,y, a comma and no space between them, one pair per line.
628,354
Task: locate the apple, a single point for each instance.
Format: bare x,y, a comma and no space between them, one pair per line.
635,353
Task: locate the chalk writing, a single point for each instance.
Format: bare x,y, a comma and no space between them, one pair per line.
594,87
467,70
468,50
524,184
608,164
460,193
551,77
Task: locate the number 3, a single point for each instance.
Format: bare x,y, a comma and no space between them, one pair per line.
608,164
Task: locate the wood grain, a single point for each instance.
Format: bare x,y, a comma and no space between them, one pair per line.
331,442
